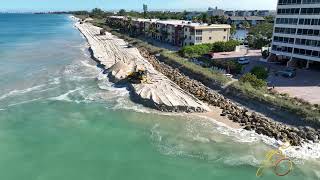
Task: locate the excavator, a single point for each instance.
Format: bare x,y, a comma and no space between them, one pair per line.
138,77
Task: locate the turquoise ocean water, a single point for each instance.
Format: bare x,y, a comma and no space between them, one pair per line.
60,118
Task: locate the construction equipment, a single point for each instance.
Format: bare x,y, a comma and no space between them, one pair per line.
138,77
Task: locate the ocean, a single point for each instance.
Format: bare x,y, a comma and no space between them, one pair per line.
60,118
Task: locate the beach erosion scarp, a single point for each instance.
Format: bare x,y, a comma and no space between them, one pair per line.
120,60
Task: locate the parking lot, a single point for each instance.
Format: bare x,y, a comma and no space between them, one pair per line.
305,85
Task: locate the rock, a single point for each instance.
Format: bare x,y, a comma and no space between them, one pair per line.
312,137
248,128
250,121
158,91
223,114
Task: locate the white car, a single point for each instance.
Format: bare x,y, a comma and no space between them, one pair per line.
229,75
243,60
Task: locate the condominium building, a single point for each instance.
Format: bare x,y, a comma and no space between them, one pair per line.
215,12
296,35
175,32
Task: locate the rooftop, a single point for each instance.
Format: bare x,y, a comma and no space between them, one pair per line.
249,18
237,18
257,18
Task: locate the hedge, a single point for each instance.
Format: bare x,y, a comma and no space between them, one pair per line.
253,81
260,72
201,49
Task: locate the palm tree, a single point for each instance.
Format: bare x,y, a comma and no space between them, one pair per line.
204,17
246,25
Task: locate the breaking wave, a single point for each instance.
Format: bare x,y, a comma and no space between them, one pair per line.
22,91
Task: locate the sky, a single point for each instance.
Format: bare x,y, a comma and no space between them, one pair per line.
62,5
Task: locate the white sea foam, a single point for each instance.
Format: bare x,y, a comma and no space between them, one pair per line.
241,160
22,91
24,102
65,96
86,63
55,81
308,151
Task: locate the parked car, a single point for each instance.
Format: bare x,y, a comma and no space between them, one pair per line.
209,55
229,75
243,61
288,73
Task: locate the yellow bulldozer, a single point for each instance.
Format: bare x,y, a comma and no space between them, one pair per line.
138,77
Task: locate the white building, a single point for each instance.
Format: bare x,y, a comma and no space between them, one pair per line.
296,35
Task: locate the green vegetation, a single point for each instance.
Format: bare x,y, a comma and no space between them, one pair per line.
95,13
265,54
201,49
303,109
210,75
253,81
196,50
260,72
230,65
260,35
249,86
163,15
246,25
269,19
218,20
233,29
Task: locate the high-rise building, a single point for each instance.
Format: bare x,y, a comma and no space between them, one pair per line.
145,8
215,12
296,34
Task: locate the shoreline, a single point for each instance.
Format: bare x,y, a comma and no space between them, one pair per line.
225,112
120,61
213,113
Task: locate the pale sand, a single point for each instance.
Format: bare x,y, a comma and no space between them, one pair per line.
112,52
120,61
215,114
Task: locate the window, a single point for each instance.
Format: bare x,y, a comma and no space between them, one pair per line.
308,32
285,30
315,53
282,49
283,39
308,22
210,38
310,11
307,42
289,11
310,1
198,39
288,2
199,32
286,21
